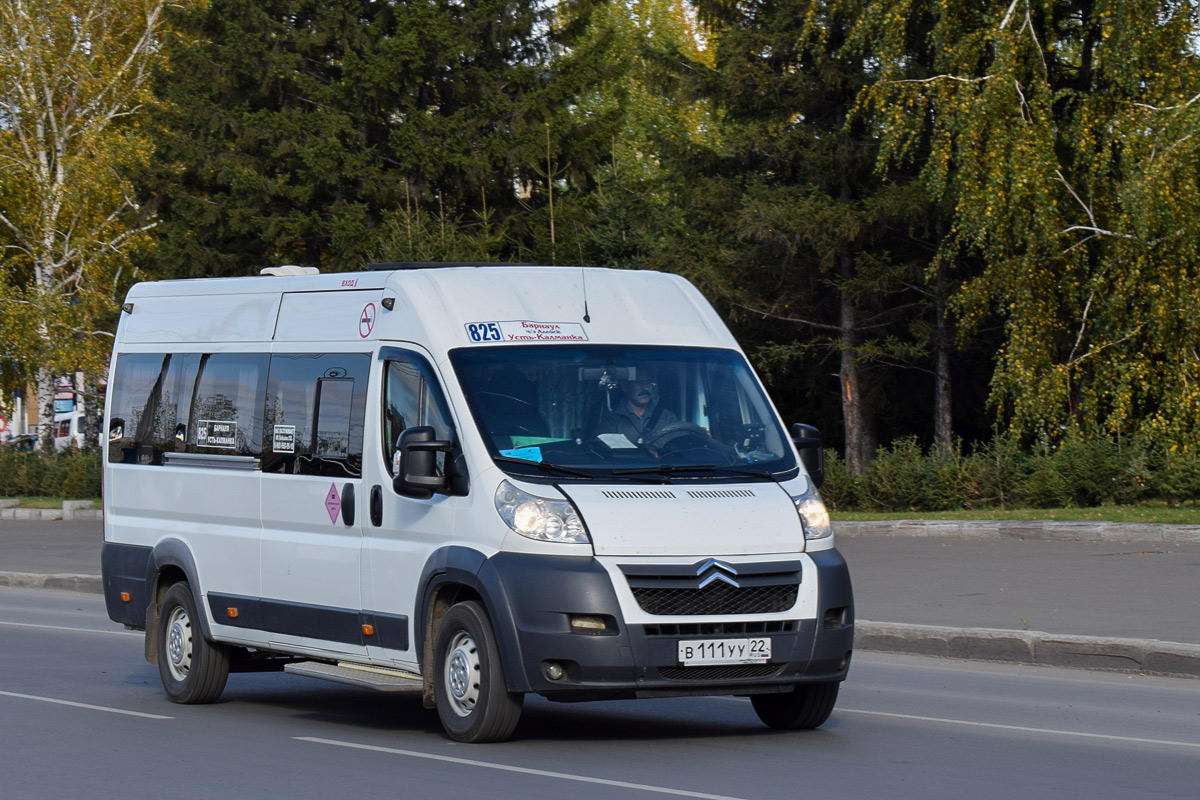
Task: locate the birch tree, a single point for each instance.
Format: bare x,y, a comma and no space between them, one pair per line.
1062,133
73,77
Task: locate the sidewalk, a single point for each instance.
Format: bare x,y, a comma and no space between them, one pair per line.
52,554
1097,604
1100,603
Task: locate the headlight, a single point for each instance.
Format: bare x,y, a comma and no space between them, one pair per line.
813,514
540,518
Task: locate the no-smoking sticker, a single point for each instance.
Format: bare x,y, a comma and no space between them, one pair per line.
366,320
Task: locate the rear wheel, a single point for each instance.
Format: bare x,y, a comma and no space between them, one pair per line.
193,669
473,701
806,706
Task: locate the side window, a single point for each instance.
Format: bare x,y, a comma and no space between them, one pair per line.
135,389
226,409
412,398
168,428
314,412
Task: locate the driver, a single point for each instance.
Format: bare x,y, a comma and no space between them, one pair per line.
637,414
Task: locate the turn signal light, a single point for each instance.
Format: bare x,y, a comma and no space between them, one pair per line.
368,630
232,612
124,597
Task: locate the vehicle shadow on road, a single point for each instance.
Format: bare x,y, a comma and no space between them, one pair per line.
542,720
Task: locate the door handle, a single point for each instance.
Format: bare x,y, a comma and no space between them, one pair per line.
348,504
377,505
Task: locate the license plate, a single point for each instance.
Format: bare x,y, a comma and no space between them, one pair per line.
697,652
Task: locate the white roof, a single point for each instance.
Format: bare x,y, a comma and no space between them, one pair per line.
440,308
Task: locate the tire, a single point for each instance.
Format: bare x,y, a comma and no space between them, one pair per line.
473,701
193,669
805,707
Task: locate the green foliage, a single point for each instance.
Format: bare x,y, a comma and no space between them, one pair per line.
994,473
310,132
418,235
840,491
900,478
73,76
819,262
1078,473
829,174
1062,135
1178,480
69,474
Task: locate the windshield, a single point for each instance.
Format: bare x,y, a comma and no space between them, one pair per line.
587,411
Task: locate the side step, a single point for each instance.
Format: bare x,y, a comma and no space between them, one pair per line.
381,678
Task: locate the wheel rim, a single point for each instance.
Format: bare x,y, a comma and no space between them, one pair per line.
179,643
462,674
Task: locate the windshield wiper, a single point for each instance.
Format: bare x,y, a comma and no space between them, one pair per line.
544,466
667,470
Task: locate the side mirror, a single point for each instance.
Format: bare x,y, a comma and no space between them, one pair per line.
417,475
808,441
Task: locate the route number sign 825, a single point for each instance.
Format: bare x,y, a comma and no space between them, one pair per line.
484,332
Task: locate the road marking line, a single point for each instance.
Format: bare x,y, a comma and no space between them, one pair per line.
85,705
997,725
74,630
523,770
1021,728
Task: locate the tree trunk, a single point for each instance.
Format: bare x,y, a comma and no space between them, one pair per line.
93,419
45,411
852,408
868,440
943,427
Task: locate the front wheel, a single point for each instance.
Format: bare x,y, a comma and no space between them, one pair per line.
473,701
807,706
193,669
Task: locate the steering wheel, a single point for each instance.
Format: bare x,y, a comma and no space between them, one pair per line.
674,435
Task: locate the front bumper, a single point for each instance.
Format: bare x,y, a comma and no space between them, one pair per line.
540,595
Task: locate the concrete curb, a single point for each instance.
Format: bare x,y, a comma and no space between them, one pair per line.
91,584
1031,647
71,509
1023,529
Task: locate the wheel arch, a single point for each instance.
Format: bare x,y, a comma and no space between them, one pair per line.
454,574
171,561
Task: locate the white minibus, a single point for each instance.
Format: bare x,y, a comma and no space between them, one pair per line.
475,482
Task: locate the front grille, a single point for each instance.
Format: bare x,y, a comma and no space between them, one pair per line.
719,628
716,598
729,672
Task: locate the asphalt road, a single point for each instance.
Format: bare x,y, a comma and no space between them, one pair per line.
83,715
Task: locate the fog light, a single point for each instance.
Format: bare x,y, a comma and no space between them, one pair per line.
555,672
583,622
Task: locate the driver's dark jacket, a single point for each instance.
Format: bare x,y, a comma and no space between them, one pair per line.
622,420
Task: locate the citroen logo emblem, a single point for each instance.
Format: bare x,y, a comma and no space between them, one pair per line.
714,570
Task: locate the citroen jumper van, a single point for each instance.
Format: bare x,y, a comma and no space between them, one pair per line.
474,482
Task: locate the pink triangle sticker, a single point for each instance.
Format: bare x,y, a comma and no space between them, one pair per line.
333,503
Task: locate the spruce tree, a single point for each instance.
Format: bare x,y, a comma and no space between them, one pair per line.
304,131
821,258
